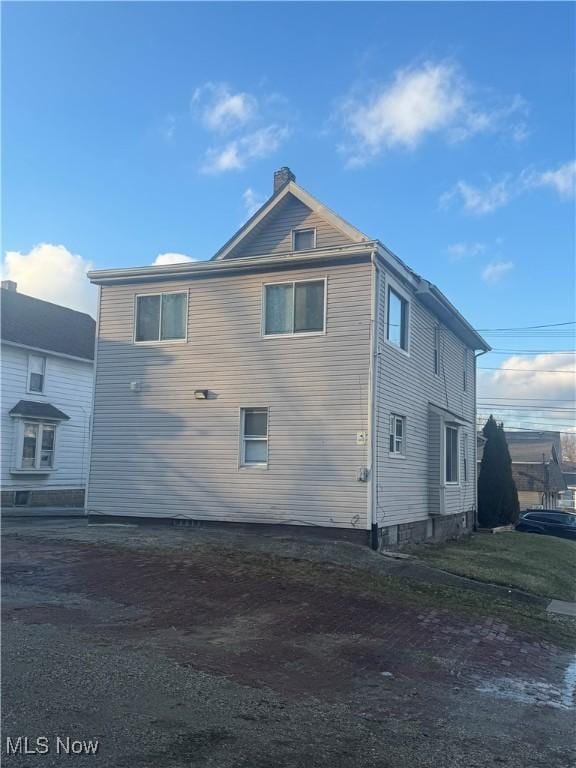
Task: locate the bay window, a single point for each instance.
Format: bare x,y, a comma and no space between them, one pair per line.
38,441
451,455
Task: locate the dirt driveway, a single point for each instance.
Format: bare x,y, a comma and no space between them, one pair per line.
194,648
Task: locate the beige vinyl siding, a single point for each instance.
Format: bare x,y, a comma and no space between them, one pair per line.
160,452
529,499
274,234
410,488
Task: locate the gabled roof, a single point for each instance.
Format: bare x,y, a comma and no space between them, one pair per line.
42,325
528,448
307,199
33,410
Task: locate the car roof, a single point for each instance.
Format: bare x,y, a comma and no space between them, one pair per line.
551,511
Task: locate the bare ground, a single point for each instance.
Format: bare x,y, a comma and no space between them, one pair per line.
200,648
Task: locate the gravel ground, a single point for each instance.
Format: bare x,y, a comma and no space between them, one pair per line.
191,648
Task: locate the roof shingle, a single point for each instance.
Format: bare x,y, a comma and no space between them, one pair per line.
42,325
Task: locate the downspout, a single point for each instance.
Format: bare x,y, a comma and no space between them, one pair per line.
372,522
475,438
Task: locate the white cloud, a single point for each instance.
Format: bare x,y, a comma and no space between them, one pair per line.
562,180
496,270
220,109
252,201
53,273
536,378
480,200
171,258
460,251
420,101
236,154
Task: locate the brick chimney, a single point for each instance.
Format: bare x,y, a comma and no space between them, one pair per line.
282,177
9,285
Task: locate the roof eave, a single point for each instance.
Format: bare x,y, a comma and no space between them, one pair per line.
215,268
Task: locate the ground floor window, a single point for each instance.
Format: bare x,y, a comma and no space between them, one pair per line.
397,435
254,437
451,458
37,445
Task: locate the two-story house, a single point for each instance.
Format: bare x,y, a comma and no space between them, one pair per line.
47,387
304,376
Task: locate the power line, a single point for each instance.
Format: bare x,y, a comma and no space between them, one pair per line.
523,352
510,399
526,327
522,370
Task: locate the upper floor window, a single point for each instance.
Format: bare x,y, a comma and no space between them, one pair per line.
437,351
36,373
397,320
37,445
451,457
294,308
397,435
254,438
161,316
303,239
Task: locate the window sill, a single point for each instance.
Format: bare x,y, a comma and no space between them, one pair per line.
253,466
391,344
162,343
292,335
396,455
44,471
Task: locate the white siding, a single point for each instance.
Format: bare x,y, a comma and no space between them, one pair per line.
68,386
410,488
160,452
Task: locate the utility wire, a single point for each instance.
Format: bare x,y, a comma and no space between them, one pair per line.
522,370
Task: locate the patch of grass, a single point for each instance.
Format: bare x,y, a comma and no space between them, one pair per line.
542,565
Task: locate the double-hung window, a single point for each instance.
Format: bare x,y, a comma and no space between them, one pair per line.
36,373
465,457
161,316
397,320
451,456
397,435
37,445
294,308
254,437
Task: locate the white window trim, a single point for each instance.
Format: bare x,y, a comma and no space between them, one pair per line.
397,454
19,447
391,284
157,342
465,462
294,334
302,229
241,448
33,391
445,427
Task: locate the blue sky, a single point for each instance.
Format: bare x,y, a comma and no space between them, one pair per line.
446,130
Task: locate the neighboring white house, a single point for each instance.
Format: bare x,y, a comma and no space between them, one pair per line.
305,376
47,387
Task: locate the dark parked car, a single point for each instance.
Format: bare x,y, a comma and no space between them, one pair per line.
552,522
